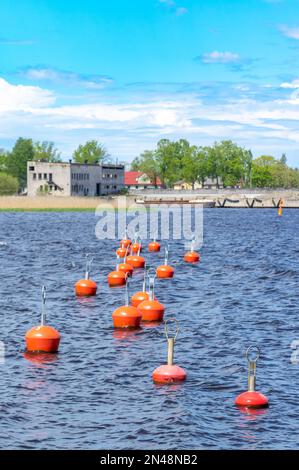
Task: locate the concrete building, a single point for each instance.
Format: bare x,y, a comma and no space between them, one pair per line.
73,179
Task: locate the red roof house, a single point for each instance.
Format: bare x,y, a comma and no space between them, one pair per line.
139,180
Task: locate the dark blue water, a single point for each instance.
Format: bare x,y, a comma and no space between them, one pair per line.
97,393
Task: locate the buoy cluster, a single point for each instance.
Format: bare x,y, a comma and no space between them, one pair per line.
142,306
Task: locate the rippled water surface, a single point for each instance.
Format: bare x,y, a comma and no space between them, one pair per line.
97,393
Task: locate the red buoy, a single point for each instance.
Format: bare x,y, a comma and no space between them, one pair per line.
121,252
42,338
86,287
251,398
192,257
151,310
117,278
140,296
165,271
126,268
154,246
170,373
125,242
136,261
136,247
126,316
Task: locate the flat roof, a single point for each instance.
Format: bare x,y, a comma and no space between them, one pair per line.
103,165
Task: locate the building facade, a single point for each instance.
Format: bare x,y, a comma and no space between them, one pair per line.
73,179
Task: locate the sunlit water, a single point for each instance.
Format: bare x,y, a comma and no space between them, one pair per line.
97,393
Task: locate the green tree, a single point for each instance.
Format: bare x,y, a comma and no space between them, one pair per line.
22,152
46,151
149,165
195,166
3,160
8,184
91,152
135,164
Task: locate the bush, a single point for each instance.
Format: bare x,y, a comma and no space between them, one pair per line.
8,184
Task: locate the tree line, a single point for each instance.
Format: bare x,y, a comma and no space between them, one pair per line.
228,164
225,162
13,164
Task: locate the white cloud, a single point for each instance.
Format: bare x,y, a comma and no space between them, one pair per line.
290,32
217,57
21,98
178,10
130,127
291,85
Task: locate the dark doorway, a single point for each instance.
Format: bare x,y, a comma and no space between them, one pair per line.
98,189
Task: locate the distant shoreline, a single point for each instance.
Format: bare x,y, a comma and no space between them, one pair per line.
262,199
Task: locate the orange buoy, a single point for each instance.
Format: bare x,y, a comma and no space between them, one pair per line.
251,398
126,316
140,296
117,278
42,338
151,310
170,373
86,287
136,261
121,252
154,246
126,267
192,256
125,242
165,271
136,247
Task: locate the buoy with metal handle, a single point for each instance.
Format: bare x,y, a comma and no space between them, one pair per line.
251,398
170,373
165,271
154,246
42,338
117,278
126,316
151,310
126,267
140,296
192,256
121,251
136,261
136,247
86,287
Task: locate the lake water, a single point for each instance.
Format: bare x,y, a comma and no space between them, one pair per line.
97,393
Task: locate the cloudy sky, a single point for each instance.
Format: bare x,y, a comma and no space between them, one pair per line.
130,72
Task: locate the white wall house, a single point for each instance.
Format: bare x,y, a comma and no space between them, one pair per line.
73,179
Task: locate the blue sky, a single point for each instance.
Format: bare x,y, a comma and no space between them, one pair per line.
129,73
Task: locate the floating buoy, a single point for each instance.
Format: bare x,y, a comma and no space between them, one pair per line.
151,310
126,316
42,338
126,267
121,252
280,211
251,398
125,242
86,287
140,296
192,256
136,261
117,278
154,246
165,271
170,373
280,206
